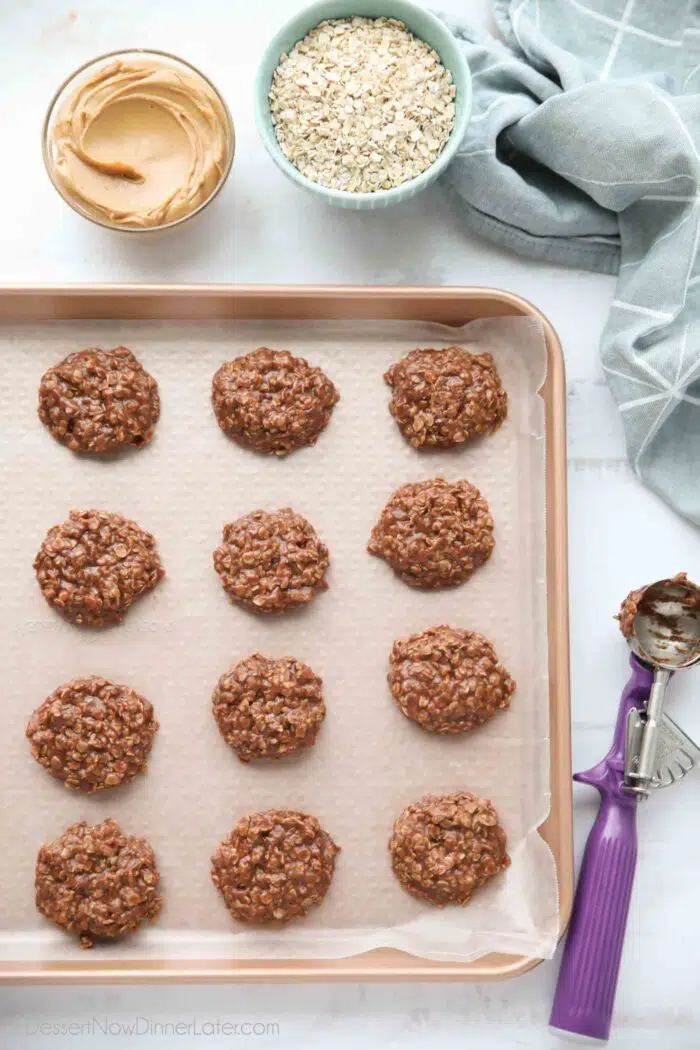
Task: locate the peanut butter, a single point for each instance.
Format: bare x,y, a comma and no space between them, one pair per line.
141,143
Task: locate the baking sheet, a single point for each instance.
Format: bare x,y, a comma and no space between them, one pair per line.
369,761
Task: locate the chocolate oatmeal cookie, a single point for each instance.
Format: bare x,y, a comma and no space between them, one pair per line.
269,708
94,566
92,734
441,398
434,533
274,866
448,680
446,846
98,400
270,561
97,882
272,401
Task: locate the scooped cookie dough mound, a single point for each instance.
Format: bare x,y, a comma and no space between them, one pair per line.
271,561
628,611
448,680
445,847
95,565
441,398
97,882
435,533
272,401
92,734
269,708
274,866
99,400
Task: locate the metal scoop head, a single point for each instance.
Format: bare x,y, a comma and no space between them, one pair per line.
666,636
666,628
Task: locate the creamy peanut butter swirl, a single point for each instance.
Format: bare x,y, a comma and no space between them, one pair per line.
141,143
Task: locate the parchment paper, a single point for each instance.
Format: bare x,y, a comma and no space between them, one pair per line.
369,761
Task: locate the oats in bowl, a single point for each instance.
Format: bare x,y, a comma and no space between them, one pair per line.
362,105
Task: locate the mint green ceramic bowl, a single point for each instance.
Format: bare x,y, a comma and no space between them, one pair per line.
422,24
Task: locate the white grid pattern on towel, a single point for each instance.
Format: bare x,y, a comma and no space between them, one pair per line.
621,73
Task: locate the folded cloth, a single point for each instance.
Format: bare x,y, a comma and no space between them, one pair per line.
584,148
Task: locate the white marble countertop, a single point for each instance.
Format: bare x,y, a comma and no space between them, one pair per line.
265,230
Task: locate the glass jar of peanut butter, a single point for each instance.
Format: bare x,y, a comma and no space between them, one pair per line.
138,140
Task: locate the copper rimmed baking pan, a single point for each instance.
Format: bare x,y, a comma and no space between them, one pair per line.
446,306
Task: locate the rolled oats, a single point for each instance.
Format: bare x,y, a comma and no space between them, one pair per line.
434,533
445,847
92,734
361,104
274,866
441,398
448,680
98,400
94,566
272,401
269,708
270,561
97,882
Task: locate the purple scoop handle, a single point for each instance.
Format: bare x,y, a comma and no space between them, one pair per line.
585,993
